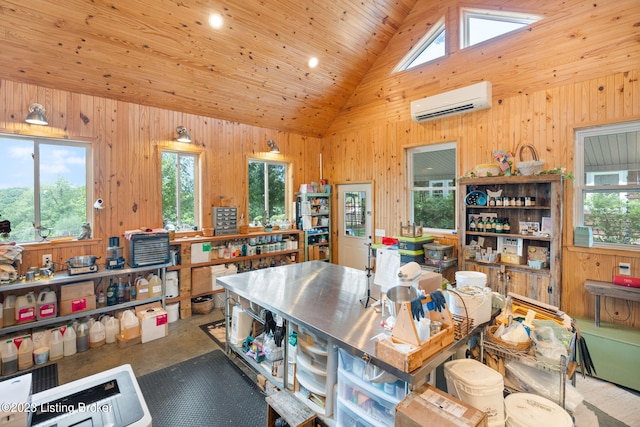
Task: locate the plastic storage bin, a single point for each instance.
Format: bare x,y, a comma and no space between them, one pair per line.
531,410
368,402
478,385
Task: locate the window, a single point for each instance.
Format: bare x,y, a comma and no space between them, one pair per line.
180,181
608,184
432,173
267,191
430,47
43,187
479,25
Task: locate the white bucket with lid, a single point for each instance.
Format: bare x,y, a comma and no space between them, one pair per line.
478,385
531,410
472,302
173,312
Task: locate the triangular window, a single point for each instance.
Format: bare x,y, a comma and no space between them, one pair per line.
431,46
480,25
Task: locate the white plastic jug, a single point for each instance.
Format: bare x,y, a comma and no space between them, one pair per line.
129,325
155,285
9,357
82,337
69,341
26,308
25,353
9,310
56,345
47,305
111,327
97,335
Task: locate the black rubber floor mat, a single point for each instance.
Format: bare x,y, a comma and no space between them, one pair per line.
42,377
209,390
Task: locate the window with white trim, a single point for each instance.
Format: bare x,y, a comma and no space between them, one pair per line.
478,25
607,184
180,190
43,187
431,170
431,46
268,190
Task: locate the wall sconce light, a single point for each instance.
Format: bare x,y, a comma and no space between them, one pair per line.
36,115
273,147
183,135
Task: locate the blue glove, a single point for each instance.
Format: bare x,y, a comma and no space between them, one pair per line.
438,302
416,307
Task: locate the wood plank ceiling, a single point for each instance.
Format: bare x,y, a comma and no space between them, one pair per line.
163,53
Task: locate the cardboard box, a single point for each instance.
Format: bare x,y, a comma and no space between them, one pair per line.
430,281
16,401
154,323
429,406
77,305
201,279
76,290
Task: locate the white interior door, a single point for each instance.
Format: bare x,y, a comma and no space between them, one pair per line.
354,224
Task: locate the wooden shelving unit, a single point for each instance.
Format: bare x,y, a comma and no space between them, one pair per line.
184,246
543,284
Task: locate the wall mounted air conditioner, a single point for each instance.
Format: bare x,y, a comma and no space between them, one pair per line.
469,98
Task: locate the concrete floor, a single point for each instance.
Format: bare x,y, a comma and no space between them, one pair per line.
184,341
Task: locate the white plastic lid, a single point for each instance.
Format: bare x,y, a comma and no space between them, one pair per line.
473,373
523,409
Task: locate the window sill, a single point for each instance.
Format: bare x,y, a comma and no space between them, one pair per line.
32,246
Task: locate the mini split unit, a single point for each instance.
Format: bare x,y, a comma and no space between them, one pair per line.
469,98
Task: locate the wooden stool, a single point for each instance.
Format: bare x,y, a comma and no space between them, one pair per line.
287,406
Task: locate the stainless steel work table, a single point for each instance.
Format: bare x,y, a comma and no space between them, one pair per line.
326,298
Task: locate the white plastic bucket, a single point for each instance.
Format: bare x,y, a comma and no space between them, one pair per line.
531,410
478,385
173,312
476,300
171,281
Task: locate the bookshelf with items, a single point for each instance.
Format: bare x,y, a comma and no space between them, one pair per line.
313,215
510,229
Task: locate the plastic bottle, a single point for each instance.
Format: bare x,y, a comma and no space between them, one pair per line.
101,299
25,308
134,293
9,310
69,341
25,353
111,327
56,345
9,357
47,305
142,288
97,335
1,317
127,290
155,286
120,291
82,337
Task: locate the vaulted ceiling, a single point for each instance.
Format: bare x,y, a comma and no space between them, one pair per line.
163,53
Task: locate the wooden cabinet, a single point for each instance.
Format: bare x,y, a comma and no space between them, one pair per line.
525,258
197,256
313,215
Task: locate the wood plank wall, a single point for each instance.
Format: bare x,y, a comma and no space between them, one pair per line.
126,140
569,71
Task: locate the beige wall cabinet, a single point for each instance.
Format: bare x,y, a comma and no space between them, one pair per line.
246,251
526,257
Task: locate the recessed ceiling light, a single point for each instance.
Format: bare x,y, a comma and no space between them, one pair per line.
216,21
313,62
